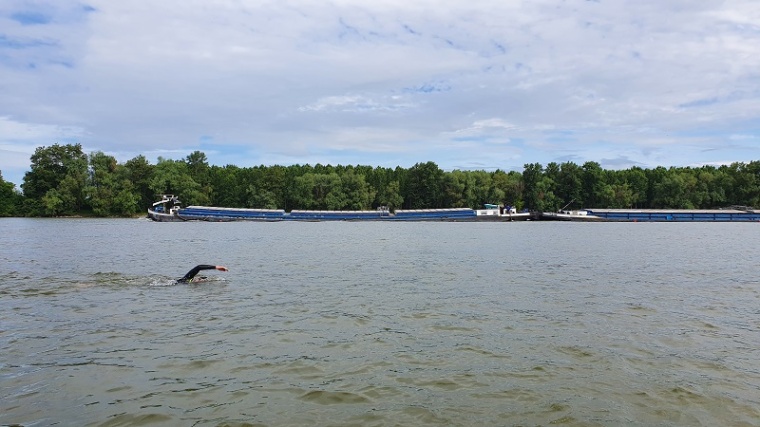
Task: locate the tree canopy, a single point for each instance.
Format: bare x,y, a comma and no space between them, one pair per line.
63,180
10,199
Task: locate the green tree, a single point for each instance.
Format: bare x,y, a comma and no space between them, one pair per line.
552,171
390,196
746,180
260,197
569,182
10,199
532,175
198,168
357,192
654,178
229,186
265,189
110,191
387,187
173,177
276,181
637,180
56,182
594,184
710,181
457,191
102,186
483,190
320,191
671,192
512,186
330,186
140,173
547,200
617,196
424,186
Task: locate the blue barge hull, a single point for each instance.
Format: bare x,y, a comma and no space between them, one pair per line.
205,213
169,209
676,215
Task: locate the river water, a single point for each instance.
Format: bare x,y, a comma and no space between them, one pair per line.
379,324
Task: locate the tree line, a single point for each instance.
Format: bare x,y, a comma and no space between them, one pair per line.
64,181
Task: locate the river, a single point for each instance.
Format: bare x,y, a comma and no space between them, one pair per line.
379,324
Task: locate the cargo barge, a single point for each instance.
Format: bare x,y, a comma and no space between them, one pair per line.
677,215
655,215
169,209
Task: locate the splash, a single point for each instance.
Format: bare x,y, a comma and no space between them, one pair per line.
162,282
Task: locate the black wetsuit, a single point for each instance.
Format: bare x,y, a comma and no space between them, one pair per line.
187,278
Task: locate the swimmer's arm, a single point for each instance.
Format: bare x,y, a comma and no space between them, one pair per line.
190,274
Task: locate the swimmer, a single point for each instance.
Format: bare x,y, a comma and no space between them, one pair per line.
189,277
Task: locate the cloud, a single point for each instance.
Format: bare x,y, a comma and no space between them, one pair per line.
18,141
13,130
481,82
358,104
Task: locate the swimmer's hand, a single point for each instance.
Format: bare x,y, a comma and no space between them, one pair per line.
221,268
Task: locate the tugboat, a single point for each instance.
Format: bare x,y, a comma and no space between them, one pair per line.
495,212
166,209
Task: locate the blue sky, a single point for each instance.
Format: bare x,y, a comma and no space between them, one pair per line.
476,84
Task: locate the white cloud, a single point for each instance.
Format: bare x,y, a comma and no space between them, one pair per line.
18,141
521,81
357,104
13,130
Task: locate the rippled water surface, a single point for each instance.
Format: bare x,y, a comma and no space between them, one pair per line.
379,324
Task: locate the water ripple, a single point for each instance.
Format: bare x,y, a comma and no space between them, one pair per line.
385,324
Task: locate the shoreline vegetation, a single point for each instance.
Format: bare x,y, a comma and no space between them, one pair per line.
66,182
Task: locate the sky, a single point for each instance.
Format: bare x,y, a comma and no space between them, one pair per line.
469,85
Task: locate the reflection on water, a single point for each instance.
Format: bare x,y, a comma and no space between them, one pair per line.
378,324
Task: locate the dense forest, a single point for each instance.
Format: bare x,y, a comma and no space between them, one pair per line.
65,181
